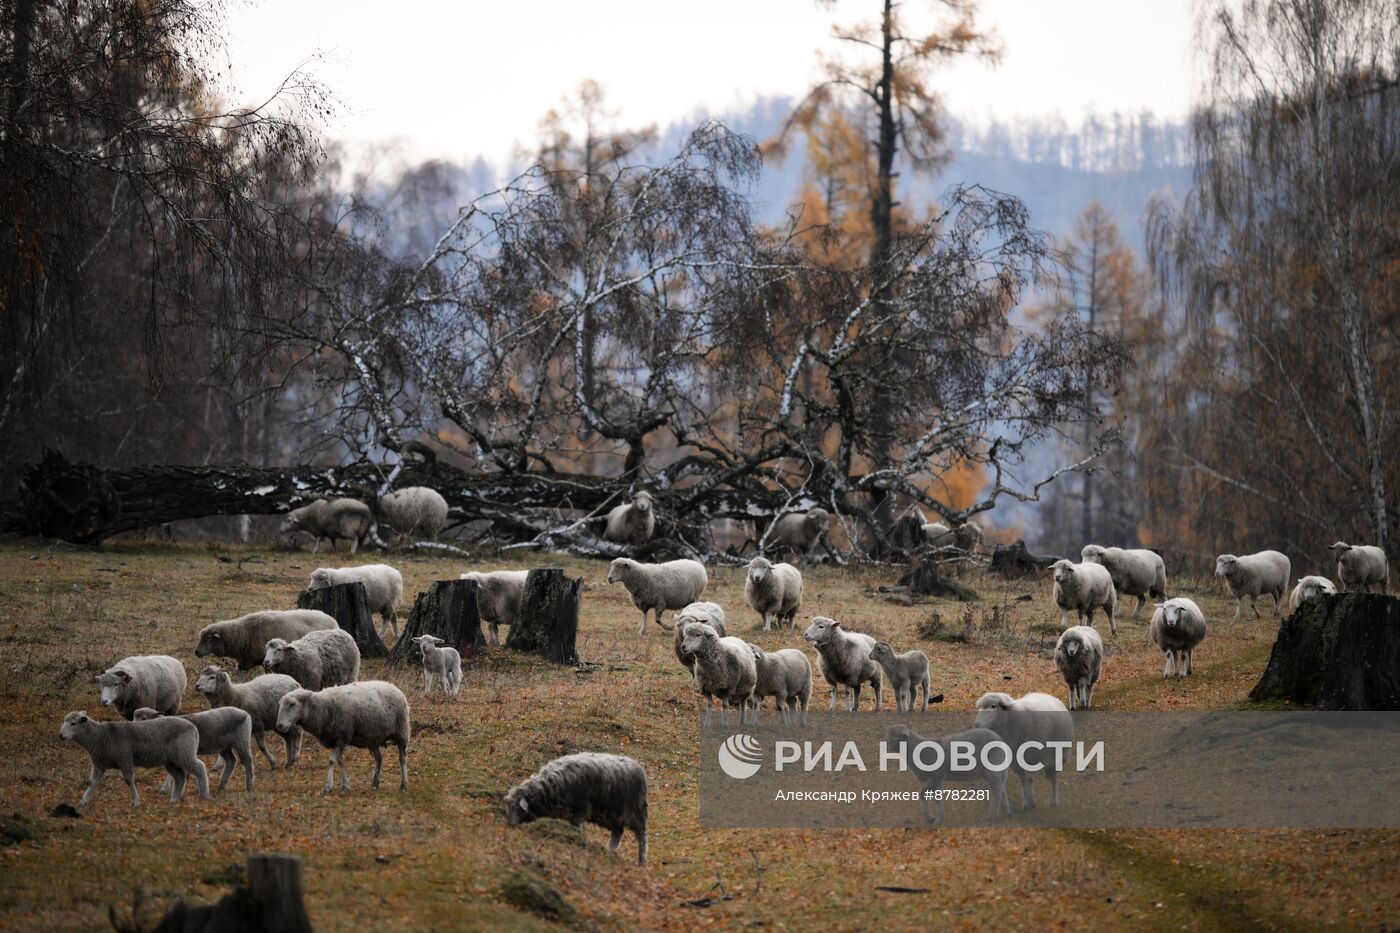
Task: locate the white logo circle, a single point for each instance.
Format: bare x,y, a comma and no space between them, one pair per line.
740,756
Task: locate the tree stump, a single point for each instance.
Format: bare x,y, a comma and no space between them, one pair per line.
272,901
1016,560
1337,652
924,579
547,623
447,609
348,604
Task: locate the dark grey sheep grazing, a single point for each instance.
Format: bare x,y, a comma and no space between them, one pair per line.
589,787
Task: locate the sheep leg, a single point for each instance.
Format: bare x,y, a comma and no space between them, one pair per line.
643,629
427,683
1054,788
1239,606
391,616
1254,604
767,620
1027,791
354,545
1171,662
403,765
641,835
1142,601
1278,606
176,777
923,801
1190,660
316,546
293,743
261,739
1064,618
129,774
201,777
879,686
1113,619
226,772
378,765
245,755
853,700
616,840
491,628
330,775
93,780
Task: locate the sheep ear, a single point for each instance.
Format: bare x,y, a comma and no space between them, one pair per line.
125,677
524,805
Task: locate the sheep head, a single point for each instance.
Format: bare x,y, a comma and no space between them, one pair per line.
113,684
517,807
620,568
290,707
642,502
210,679
71,724
1225,565
882,652
1063,571
698,637
822,630
759,569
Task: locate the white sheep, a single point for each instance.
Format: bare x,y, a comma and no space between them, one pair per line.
672,585
440,662
785,675
919,757
245,638
498,595
154,680
226,732
414,512
709,613
1360,565
168,742
383,588
774,591
799,531
1254,575
1084,588
724,670
323,658
845,660
606,790
258,698
1177,627
633,522
908,674
1307,588
369,714
330,520
1079,656
1027,725
1135,571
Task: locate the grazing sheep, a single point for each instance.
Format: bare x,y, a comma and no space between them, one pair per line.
785,675
1084,588
383,587
588,787
330,520
245,638
1307,588
369,714
907,672
1079,656
414,512
709,613
1360,565
498,594
931,779
1035,717
799,531
773,590
439,661
226,732
724,670
672,585
1253,575
632,523
1135,572
258,698
171,743
323,658
1177,628
845,660
154,680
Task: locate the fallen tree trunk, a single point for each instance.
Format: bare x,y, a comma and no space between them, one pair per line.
447,609
547,623
348,604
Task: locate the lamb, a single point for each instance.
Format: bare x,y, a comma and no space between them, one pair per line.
1360,565
330,520
606,790
672,585
1135,572
439,661
154,680
785,675
258,698
1084,588
774,591
845,660
498,595
920,760
724,670
1079,656
1253,575
245,638
709,613
799,531
369,714
1034,718
324,658
226,732
414,512
1178,626
632,523
171,743
383,587
908,673
1307,588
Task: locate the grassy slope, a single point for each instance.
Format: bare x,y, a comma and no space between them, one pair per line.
437,856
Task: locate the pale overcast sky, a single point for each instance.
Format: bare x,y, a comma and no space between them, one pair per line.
473,77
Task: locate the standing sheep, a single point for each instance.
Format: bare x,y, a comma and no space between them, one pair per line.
907,672
498,595
1178,626
154,680
369,714
588,787
245,638
1360,565
258,698
323,658
724,670
633,522
1084,588
785,675
709,613
919,761
774,591
226,732
1253,575
799,531
1136,572
171,743
1307,588
1034,718
383,588
672,585
414,512
330,520
845,660
441,662
1079,656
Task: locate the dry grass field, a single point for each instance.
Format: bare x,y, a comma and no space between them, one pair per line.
441,857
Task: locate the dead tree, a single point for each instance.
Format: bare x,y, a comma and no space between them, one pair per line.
447,609
547,623
348,604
